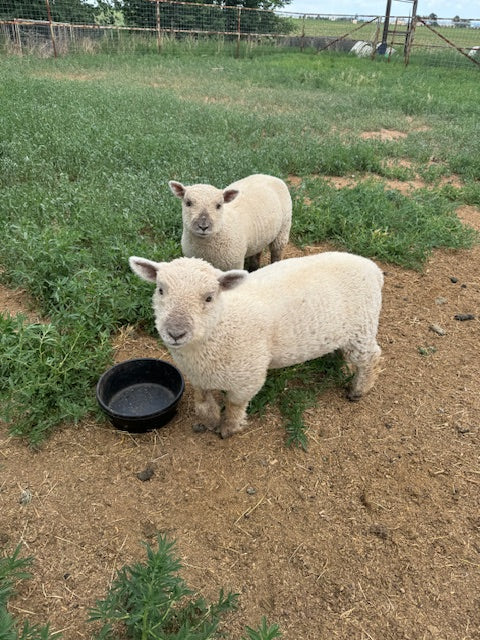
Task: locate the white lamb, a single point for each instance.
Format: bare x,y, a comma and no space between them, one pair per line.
224,330
226,226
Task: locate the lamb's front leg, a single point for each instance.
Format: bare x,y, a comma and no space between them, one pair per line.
234,417
207,409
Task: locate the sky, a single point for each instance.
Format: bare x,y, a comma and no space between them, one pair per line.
442,8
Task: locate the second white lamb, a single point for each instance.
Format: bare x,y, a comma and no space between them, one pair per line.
227,226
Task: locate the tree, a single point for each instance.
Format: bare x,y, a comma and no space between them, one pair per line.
219,16
109,13
76,11
460,23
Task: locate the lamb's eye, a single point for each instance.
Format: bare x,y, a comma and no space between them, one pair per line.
188,203
160,291
208,298
218,206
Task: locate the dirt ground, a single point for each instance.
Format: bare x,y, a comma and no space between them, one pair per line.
372,534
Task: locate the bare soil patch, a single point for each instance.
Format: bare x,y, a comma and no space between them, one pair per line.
405,187
79,77
374,533
383,134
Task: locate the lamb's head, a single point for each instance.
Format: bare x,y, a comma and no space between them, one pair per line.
202,206
188,297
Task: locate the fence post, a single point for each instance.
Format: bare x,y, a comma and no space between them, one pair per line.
382,49
49,16
238,31
302,37
159,32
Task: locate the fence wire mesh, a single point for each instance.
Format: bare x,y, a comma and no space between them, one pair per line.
57,27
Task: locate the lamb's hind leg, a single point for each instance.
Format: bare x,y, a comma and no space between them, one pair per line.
276,249
252,263
366,362
278,245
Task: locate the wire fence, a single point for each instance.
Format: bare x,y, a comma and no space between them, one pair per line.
58,27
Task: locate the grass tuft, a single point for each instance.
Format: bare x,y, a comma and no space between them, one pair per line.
150,600
47,375
295,389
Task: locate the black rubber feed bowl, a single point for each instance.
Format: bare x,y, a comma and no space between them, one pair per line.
141,394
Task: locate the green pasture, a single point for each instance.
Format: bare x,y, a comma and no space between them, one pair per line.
88,144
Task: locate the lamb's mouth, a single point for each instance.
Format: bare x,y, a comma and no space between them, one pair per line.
202,233
174,342
173,346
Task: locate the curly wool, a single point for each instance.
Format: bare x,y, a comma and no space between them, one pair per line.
224,330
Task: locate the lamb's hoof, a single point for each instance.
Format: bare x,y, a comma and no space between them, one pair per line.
227,431
199,428
353,397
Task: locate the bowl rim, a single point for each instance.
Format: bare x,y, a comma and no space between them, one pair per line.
146,416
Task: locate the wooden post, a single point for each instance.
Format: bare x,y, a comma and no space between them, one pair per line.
159,31
302,37
238,31
52,35
409,39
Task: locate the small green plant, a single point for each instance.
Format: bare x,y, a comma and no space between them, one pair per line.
265,632
297,388
12,569
427,350
146,602
152,602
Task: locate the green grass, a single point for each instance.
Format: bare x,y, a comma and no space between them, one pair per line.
370,219
88,144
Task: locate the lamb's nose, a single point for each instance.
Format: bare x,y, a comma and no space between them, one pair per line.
176,335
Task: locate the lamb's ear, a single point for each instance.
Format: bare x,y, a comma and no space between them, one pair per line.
146,269
177,188
231,279
230,194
